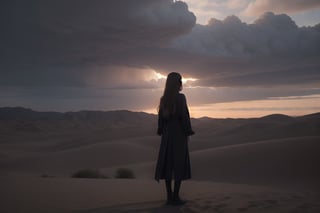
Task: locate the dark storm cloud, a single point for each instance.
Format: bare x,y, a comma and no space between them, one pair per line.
271,51
57,42
68,42
77,52
269,35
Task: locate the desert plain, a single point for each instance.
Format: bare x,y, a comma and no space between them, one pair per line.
266,164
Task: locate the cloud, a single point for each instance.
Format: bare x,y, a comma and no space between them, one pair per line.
205,9
284,6
236,4
305,13
94,44
271,51
270,34
123,77
80,98
59,41
105,54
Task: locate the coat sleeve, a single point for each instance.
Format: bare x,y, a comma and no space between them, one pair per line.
185,117
160,123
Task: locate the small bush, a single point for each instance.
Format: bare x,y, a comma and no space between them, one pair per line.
88,173
124,173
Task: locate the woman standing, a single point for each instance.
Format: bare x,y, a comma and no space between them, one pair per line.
174,127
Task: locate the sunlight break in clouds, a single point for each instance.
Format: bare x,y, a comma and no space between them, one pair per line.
185,80
158,76
153,75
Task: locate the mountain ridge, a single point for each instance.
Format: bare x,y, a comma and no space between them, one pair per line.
25,111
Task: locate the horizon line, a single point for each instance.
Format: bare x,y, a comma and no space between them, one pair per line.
150,113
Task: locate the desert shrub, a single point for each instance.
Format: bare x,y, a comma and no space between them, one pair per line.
88,173
124,173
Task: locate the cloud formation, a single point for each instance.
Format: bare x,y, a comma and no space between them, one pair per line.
219,9
269,35
107,53
271,51
304,12
61,40
258,7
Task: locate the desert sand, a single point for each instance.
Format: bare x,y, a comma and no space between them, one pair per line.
267,164
52,195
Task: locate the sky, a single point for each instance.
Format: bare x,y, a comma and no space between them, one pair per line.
247,58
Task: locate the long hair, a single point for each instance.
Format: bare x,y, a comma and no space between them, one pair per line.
167,101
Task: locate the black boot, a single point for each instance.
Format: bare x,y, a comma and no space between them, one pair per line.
176,198
169,192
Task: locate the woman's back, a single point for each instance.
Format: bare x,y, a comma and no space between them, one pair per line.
179,116
174,127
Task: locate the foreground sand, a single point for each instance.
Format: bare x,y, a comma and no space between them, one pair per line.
21,194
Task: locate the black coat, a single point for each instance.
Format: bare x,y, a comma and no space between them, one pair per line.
173,159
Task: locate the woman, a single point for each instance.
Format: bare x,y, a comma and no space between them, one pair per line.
174,127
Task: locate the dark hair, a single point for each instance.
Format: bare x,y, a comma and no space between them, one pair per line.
167,101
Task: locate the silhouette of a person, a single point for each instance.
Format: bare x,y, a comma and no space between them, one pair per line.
174,126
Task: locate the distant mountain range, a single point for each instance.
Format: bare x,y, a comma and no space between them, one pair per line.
275,125
27,114
17,121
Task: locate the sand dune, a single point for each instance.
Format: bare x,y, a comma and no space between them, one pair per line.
222,132
91,156
236,163
290,162
285,161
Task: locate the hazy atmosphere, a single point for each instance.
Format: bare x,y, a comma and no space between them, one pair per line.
80,86
237,58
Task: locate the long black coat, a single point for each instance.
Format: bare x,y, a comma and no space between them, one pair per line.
173,159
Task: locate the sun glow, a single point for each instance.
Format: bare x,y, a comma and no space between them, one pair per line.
158,76
155,76
185,80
